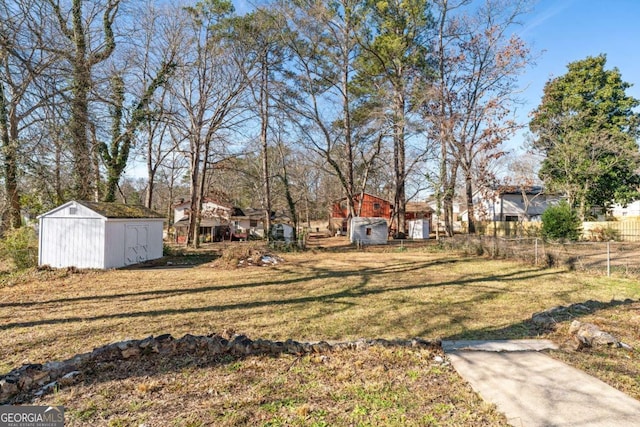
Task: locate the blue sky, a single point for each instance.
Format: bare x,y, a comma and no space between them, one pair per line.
564,31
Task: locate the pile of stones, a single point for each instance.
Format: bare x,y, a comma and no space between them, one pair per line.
583,334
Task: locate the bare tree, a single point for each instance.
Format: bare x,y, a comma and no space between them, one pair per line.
23,65
206,92
332,121
261,33
83,43
479,60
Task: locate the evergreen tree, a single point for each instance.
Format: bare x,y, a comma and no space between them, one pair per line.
587,129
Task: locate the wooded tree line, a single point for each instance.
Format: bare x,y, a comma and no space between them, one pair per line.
290,106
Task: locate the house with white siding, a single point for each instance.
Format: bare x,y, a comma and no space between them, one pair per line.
98,235
512,203
630,211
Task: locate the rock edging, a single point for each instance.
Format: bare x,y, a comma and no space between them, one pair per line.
547,319
40,379
583,334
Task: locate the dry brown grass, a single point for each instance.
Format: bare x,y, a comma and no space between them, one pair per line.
380,386
329,294
616,366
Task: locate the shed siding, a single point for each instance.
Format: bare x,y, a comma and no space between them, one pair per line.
369,231
419,229
118,253
155,239
114,244
72,242
65,211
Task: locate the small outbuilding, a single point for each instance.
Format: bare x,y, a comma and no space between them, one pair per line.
418,229
99,235
282,232
369,231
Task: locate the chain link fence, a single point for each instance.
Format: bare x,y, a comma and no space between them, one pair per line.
606,258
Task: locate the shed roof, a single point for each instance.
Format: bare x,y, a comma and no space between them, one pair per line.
110,210
119,210
418,207
519,189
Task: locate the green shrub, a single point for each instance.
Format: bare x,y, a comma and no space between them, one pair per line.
560,222
20,246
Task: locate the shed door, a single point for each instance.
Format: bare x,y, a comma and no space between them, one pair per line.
136,238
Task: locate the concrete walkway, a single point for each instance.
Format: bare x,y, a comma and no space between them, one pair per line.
535,390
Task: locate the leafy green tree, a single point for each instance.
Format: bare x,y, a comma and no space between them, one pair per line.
560,222
586,128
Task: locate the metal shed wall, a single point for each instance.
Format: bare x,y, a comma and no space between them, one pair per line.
74,235
72,238
419,229
283,230
130,241
369,231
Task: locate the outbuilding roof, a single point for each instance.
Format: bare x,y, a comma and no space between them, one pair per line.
119,210
109,210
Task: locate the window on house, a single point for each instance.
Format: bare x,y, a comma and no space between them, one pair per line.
511,218
368,231
73,210
376,206
253,223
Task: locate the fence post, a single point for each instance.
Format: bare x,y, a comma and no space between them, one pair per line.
608,259
536,245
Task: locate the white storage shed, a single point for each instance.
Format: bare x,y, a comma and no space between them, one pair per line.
99,235
282,231
369,231
419,229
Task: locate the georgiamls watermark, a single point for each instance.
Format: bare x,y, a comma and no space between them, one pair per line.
31,416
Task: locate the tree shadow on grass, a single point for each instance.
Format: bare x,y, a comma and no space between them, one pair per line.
530,329
352,292
314,274
190,260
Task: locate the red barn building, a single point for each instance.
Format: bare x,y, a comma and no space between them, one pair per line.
370,206
375,207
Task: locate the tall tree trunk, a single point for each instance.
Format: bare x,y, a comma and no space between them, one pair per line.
194,174
399,163
448,197
468,184
78,125
348,143
82,61
264,127
202,190
288,195
8,134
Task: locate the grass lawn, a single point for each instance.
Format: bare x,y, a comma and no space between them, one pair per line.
316,295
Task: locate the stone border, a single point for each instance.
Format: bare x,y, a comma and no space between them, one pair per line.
548,319
40,379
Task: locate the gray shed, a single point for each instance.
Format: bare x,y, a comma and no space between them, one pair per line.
99,235
282,231
369,231
419,229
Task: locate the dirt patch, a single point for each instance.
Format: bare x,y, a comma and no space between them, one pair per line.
246,255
